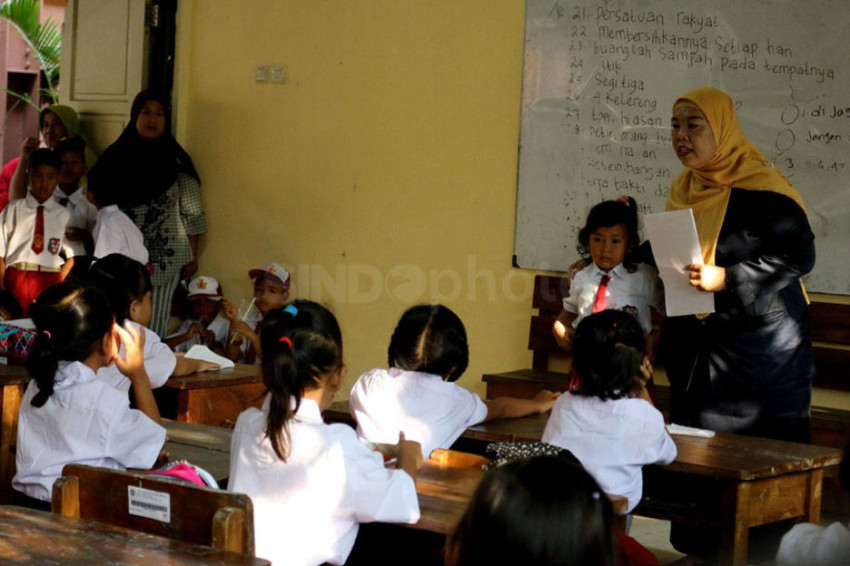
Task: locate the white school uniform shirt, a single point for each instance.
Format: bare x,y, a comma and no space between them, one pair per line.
307,509
429,410
807,544
613,439
83,422
220,325
160,362
17,225
115,233
83,213
633,292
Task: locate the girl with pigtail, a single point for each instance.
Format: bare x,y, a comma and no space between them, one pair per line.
312,483
67,414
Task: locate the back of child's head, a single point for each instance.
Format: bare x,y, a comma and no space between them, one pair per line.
301,344
74,145
608,350
605,215
71,321
430,339
98,185
44,156
123,280
544,511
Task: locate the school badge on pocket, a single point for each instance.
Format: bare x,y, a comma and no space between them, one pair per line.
53,246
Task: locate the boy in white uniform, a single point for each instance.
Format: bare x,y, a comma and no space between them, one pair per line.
34,251
114,232
71,194
209,327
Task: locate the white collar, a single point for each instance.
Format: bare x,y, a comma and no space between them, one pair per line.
109,209
69,374
48,204
74,197
616,272
308,412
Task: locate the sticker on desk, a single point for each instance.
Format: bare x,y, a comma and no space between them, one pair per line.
149,503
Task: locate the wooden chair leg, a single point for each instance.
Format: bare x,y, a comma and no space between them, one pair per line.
66,497
229,531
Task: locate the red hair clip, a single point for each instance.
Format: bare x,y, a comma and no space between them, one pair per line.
286,340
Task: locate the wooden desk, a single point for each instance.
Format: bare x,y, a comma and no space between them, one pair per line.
212,397
203,445
13,381
36,537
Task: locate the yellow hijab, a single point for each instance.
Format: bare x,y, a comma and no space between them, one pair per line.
736,163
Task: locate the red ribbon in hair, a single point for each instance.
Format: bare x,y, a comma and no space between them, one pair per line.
286,340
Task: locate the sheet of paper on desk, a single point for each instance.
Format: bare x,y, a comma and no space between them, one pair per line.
200,352
689,431
675,244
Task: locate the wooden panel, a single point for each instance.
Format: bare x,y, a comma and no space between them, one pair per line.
540,338
779,499
218,406
833,368
549,292
103,497
830,322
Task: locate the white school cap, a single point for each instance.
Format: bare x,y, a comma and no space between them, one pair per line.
273,269
203,287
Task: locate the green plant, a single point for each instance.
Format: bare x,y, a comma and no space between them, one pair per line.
45,40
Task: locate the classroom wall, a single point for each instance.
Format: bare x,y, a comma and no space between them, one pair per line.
383,171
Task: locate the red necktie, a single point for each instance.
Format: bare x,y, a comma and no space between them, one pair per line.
38,235
600,299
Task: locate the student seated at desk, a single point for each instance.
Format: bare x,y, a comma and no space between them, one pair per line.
608,421
428,352
312,483
67,414
127,286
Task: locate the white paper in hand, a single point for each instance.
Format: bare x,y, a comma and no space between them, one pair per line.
200,352
675,244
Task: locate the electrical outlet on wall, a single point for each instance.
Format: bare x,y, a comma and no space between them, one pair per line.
278,74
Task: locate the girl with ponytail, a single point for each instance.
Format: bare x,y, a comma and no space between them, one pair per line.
312,483
68,415
608,421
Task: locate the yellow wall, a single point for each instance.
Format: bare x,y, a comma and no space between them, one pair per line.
383,171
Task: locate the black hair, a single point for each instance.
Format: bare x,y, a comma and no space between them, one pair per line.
611,213
10,304
430,339
608,349
71,321
44,156
71,145
98,184
544,511
123,280
300,344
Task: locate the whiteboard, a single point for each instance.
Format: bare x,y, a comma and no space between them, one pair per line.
599,82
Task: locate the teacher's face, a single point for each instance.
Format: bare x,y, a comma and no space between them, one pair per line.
693,140
151,120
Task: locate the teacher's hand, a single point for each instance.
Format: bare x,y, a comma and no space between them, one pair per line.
708,278
189,269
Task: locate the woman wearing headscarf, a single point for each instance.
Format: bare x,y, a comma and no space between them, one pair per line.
156,185
747,367
55,123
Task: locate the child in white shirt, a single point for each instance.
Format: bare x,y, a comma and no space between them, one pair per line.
609,422
208,326
34,252
612,279
113,232
127,286
71,194
417,395
312,483
271,291
67,415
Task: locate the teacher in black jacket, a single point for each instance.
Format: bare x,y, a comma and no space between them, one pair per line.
747,367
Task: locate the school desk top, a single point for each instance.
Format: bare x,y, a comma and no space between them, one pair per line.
37,537
239,375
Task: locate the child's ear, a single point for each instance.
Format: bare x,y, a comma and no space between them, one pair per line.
107,346
135,307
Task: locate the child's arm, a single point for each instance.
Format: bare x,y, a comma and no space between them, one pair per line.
174,341
66,268
18,185
563,329
409,454
186,366
512,407
133,366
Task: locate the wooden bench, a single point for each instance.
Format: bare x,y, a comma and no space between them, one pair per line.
187,512
830,333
